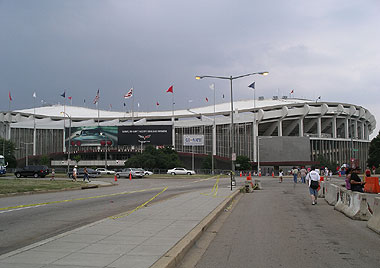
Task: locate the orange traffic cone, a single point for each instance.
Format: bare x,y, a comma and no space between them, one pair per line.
272,174
260,174
130,176
241,174
340,175
115,177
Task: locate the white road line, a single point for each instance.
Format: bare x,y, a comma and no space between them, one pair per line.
11,210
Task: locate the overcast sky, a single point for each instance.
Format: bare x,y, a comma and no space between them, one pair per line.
327,48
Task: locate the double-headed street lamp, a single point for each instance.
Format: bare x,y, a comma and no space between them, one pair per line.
231,78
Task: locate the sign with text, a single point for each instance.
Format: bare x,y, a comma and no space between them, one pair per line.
193,140
136,135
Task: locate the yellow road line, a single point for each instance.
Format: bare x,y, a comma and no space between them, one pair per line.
78,199
214,190
137,208
206,179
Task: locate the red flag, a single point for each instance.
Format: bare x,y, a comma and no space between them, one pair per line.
170,89
129,94
157,103
70,98
291,92
10,97
206,99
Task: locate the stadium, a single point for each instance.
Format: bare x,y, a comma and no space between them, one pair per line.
273,133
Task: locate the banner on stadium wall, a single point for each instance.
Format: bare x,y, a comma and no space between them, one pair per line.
119,135
193,140
92,136
137,135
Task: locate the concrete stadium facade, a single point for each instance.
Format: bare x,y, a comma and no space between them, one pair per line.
276,132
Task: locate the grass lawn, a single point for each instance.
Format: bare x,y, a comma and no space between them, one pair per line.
8,186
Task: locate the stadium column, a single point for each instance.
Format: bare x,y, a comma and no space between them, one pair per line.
300,126
355,129
346,130
333,125
319,127
279,127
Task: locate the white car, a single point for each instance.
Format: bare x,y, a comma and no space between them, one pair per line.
104,171
180,171
148,173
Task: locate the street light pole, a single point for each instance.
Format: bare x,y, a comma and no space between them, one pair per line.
68,153
26,151
232,134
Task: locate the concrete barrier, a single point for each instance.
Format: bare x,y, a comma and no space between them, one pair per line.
257,185
331,193
374,221
321,191
353,205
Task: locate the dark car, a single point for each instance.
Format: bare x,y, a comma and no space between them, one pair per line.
32,171
92,173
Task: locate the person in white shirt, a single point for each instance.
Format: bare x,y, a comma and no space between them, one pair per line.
313,179
75,173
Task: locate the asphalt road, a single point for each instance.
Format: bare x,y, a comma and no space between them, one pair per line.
24,222
278,227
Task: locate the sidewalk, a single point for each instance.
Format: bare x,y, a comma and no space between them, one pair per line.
135,239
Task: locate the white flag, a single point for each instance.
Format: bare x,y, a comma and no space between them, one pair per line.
212,86
34,95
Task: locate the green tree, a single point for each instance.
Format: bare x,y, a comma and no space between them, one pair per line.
45,160
207,163
374,152
76,158
9,150
151,158
243,163
324,162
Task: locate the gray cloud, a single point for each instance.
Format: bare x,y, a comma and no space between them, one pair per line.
327,48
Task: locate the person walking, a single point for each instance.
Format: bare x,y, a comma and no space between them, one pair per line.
85,175
295,174
280,175
52,174
313,179
75,173
356,183
303,174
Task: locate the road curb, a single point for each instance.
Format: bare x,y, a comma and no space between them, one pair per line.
56,191
174,256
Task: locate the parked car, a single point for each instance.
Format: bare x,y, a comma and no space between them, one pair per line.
92,173
146,172
135,172
180,171
32,171
104,171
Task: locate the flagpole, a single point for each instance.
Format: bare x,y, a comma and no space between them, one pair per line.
133,105
213,138
173,130
97,106
34,124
